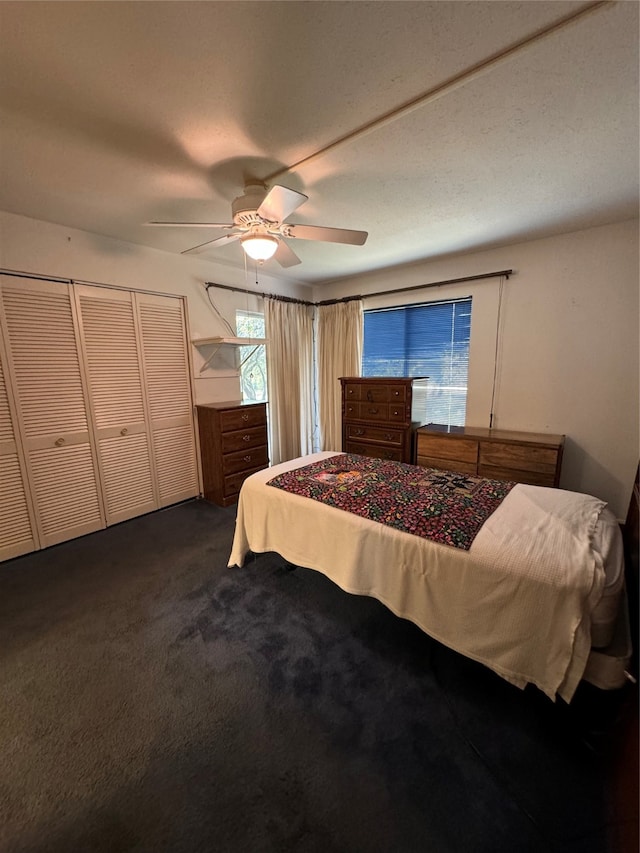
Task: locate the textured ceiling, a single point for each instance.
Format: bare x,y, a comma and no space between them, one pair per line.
117,113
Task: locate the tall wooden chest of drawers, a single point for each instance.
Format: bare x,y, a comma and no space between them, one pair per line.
233,444
379,415
500,454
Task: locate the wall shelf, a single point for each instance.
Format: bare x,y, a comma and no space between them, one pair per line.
237,342
219,341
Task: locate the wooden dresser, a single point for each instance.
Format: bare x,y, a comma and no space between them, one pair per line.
233,444
379,415
499,454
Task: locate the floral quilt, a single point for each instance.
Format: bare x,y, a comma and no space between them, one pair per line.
443,506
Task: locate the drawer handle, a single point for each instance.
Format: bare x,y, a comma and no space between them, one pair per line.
59,442
246,438
396,412
245,416
358,432
123,431
370,396
372,411
388,436
397,393
247,458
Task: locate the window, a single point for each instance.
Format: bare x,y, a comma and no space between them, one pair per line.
253,360
431,340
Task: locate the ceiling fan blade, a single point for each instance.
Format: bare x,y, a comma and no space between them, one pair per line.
285,256
328,235
279,203
194,224
219,241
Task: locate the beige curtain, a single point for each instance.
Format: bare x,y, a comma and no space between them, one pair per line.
340,341
289,331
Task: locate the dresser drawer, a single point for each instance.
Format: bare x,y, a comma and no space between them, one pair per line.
531,478
399,414
372,411
378,434
377,451
374,393
445,448
233,482
352,391
243,460
244,438
447,464
383,393
246,416
538,460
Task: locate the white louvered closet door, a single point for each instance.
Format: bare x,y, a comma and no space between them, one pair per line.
47,375
17,524
117,401
168,387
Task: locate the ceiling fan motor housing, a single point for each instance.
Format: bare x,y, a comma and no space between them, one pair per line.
245,207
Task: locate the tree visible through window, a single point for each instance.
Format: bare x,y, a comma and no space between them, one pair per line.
431,340
253,360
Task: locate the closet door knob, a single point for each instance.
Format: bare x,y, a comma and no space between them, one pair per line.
59,442
123,431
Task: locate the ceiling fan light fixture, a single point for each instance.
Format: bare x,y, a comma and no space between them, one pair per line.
259,247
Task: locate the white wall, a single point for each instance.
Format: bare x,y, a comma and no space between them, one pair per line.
569,338
32,246
569,347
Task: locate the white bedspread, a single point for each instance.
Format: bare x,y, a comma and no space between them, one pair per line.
519,601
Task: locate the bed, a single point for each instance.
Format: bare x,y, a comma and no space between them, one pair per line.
538,587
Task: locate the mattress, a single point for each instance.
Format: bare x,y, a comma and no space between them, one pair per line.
607,540
541,579
607,667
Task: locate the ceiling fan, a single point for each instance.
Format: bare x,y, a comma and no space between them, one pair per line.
259,223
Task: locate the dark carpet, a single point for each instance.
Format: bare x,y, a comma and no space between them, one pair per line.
154,700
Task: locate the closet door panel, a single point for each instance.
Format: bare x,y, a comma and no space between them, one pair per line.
176,481
168,387
117,401
17,528
50,398
64,482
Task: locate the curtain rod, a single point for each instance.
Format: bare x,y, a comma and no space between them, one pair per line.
479,277
498,274
208,284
